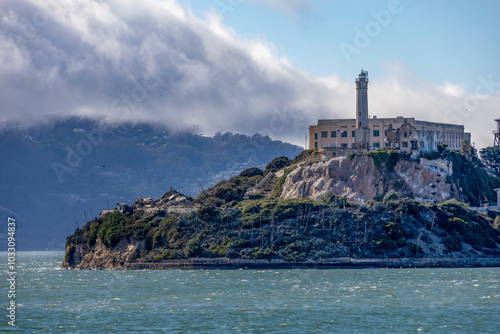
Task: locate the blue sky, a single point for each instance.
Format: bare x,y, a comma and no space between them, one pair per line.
268,66
447,40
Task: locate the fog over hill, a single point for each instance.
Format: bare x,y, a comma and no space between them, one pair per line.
55,176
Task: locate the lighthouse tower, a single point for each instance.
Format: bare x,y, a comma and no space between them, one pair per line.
362,127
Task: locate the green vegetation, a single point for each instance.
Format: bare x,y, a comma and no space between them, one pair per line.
68,256
224,224
468,172
299,229
278,188
391,195
386,156
276,164
230,190
491,157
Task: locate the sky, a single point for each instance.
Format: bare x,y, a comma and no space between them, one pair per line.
246,66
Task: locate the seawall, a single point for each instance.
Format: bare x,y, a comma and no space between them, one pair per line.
339,263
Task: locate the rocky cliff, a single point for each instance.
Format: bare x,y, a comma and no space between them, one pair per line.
361,180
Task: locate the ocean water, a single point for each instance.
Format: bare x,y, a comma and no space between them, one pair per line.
51,300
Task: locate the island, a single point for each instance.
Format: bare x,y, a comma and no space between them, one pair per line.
381,208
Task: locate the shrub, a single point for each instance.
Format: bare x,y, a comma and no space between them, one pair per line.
414,250
93,234
170,254
250,172
278,188
259,253
193,247
391,195
112,229
496,224
221,248
389,157
68,257
431,155
276,164
383,241
453,243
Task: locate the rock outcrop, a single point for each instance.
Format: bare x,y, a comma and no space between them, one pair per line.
360,180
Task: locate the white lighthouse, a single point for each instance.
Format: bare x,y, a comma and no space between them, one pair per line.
362,127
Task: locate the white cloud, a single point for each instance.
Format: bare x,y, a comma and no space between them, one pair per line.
155,61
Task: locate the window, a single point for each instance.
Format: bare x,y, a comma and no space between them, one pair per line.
334,145
324,134
376,145
385,133
344,134
406,134
387,144
334,134
376,133
343,145
316,136
315,144
414,145
405,144
354,134
324,145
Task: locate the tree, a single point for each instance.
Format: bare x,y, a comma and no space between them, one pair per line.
491,157
470,153
441,148
276,164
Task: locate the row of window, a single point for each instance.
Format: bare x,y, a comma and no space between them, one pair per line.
414,145
353,145
343,133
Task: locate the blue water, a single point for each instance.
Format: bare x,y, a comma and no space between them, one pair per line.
250,301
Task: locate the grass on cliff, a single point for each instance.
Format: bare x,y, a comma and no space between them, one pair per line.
387,156
232,190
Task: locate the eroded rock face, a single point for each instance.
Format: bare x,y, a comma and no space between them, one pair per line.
102,257
426,183
360,180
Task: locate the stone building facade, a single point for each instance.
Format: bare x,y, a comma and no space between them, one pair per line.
364,133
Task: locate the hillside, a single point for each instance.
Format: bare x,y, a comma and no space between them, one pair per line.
236,220
57,176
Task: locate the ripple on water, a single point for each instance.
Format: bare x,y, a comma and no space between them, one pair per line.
260,301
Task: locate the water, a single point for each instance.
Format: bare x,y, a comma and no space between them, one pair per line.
251,301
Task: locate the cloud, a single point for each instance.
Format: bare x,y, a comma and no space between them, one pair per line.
154,60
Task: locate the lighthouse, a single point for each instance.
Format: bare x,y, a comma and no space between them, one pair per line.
362,127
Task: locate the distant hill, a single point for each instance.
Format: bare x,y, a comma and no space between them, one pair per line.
58,175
